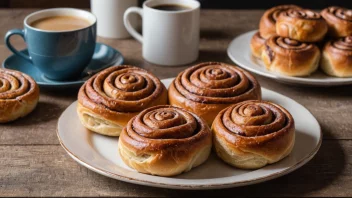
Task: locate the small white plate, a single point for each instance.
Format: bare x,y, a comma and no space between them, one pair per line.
239,52
99,153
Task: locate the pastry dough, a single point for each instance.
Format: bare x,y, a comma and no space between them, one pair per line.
337,57
267,25
301,25
252,134
19,95
290,57
339,21
165,140
257,45
207,88
108,100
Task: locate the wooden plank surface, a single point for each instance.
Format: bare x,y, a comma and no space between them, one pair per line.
46,170
32,163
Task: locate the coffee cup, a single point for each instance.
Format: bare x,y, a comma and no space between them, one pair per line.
170,31
60,41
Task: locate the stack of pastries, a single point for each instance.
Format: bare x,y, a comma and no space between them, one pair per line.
289,39
168,132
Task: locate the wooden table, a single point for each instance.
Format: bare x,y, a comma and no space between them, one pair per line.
32,162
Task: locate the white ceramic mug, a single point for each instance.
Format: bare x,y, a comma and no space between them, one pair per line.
110,17
169,37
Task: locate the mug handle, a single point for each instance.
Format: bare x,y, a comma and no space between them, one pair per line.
9,45
128,25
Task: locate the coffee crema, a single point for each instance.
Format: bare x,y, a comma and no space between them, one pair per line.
171,7
60,23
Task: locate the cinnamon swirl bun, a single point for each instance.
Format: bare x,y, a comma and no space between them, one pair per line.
337,57
19,95
252,134
257,44
290,57
165,140
267,24
301,25
339,21
207,88
108,100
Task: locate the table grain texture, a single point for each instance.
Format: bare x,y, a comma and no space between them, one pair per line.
32,162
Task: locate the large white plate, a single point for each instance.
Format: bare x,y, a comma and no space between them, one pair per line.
99,153
239,52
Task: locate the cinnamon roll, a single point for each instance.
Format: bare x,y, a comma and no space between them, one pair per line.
207,88
301,25
290,57
337,57
339,21
165,140
257,44
267,24
252,134
19,95
109,99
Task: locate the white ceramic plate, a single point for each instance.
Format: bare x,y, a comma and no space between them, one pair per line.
239,52
99,153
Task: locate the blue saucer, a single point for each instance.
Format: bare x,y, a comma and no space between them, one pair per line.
104,56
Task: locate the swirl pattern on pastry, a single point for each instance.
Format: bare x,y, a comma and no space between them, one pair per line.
267,24
339,21
110,98
290,57
301,25
19,95
165,140
257,44
337,57
207,88
252,134
301,14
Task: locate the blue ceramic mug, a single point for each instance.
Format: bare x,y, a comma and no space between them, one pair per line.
59,55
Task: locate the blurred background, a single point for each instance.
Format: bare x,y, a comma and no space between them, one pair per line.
208,4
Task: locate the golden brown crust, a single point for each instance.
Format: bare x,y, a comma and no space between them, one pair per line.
257,44
339,21
337,57
290,57
267,24
165,140
252,134
19,95
207,88
301,25
108,100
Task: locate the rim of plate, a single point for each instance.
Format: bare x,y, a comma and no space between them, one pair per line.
197,186
238,59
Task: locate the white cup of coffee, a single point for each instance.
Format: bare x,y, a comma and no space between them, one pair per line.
110,17
170,31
